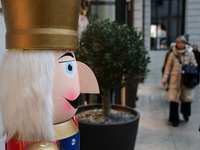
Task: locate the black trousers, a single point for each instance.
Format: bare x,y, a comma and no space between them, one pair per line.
174,111
186,108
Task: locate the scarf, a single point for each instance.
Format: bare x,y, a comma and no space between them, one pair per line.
179,53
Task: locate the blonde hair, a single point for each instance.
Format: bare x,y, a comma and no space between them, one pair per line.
181,38
26,84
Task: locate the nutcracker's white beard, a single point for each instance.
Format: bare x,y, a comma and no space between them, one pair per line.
26,84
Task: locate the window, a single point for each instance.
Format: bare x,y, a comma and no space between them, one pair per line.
115,10
167,22
103,9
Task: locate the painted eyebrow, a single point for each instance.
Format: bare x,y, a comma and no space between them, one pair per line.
66,54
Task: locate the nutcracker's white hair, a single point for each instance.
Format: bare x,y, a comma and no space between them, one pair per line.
26,84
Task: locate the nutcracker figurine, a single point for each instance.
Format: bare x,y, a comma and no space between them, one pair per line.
40,79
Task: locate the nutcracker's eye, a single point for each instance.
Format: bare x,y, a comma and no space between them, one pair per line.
68,64
69,68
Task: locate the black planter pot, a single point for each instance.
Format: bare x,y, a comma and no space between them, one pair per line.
120,136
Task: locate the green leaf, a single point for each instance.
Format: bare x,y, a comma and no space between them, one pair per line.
113,51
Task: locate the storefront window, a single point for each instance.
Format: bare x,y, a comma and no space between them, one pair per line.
167,22
103,9
115,10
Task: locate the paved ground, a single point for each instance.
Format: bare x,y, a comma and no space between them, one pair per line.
155,133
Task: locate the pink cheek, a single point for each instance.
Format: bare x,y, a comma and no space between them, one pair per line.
72,95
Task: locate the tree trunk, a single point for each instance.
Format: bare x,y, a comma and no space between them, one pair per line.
106,103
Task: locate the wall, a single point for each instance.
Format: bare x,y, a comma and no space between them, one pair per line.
2,33
138,14
192,21
2,51
147,23
142,19
2,36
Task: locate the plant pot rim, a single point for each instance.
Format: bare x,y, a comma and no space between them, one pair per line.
137,115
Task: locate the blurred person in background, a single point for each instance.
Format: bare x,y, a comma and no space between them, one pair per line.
188,45
197,56
177,92
83,19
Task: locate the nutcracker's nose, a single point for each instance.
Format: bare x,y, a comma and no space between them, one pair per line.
88,81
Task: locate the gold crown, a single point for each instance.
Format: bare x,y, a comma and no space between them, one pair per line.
41,24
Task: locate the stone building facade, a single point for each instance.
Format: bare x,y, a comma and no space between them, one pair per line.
142,20
192,21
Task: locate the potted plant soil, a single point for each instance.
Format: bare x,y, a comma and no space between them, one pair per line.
117,56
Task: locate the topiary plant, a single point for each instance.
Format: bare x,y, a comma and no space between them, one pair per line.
116,53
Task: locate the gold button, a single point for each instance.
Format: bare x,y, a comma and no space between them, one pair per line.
42,146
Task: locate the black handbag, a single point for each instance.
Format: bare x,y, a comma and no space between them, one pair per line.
190,76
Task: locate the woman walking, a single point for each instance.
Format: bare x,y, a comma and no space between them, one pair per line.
178,92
